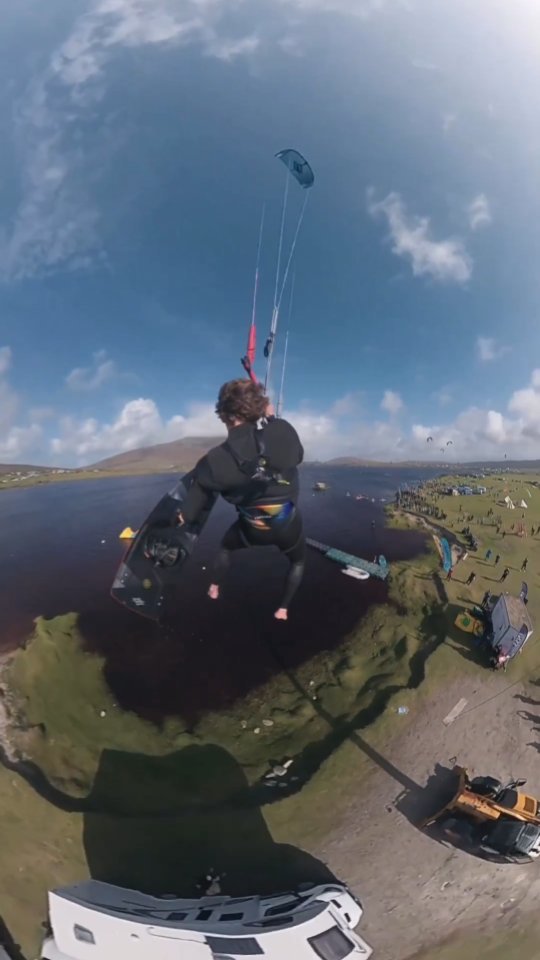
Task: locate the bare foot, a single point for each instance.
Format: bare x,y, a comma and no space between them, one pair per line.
213,591
281,614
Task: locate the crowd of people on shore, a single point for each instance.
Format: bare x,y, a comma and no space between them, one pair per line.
416,501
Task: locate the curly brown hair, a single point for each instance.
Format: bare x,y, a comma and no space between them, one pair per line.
241,400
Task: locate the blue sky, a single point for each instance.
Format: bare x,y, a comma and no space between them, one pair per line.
138,142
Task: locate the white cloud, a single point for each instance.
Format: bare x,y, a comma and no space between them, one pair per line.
18,441
9,401
526,404
138,424
488,349
5,360
475,433
9,408
443,260
391,402
228,50
41,414
16,438
479,212
346,406
101,371
112,24
55,223
58,221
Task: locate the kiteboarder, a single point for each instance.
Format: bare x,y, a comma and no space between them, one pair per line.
256,470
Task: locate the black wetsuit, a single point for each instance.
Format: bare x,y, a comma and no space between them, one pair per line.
268,514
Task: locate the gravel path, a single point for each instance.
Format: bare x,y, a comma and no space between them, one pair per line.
416,890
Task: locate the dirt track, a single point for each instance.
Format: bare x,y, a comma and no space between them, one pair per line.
416,890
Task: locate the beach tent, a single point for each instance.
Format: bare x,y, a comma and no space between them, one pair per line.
509,504
525,505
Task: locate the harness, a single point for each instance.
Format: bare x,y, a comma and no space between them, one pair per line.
258,469
257,510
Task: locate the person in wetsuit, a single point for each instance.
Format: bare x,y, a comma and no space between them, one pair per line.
256,470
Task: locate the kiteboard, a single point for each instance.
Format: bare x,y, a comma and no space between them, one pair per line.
157,553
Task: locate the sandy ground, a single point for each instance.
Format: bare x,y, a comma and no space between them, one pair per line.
416,890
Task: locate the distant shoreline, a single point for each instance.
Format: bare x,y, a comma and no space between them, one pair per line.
95,473
47,479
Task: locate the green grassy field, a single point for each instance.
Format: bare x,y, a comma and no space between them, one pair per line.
85,746
512,548
125,800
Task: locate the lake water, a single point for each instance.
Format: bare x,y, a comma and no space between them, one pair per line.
59,550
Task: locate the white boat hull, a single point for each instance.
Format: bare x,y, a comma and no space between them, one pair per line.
356,573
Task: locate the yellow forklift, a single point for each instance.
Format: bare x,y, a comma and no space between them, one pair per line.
496,820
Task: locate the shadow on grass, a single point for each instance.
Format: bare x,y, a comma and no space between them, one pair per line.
432,631
172,819
224,793
464,643
160,824
435,578
11,948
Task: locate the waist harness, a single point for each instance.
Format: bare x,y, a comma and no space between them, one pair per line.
263,516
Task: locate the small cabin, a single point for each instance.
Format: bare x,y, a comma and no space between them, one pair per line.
511,623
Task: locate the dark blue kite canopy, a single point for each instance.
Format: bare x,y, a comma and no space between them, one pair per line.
298,166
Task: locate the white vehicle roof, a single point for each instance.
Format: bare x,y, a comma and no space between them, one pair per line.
126,929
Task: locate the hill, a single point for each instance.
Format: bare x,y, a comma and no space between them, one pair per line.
178,455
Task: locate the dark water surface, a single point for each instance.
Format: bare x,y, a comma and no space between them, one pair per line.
59,550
